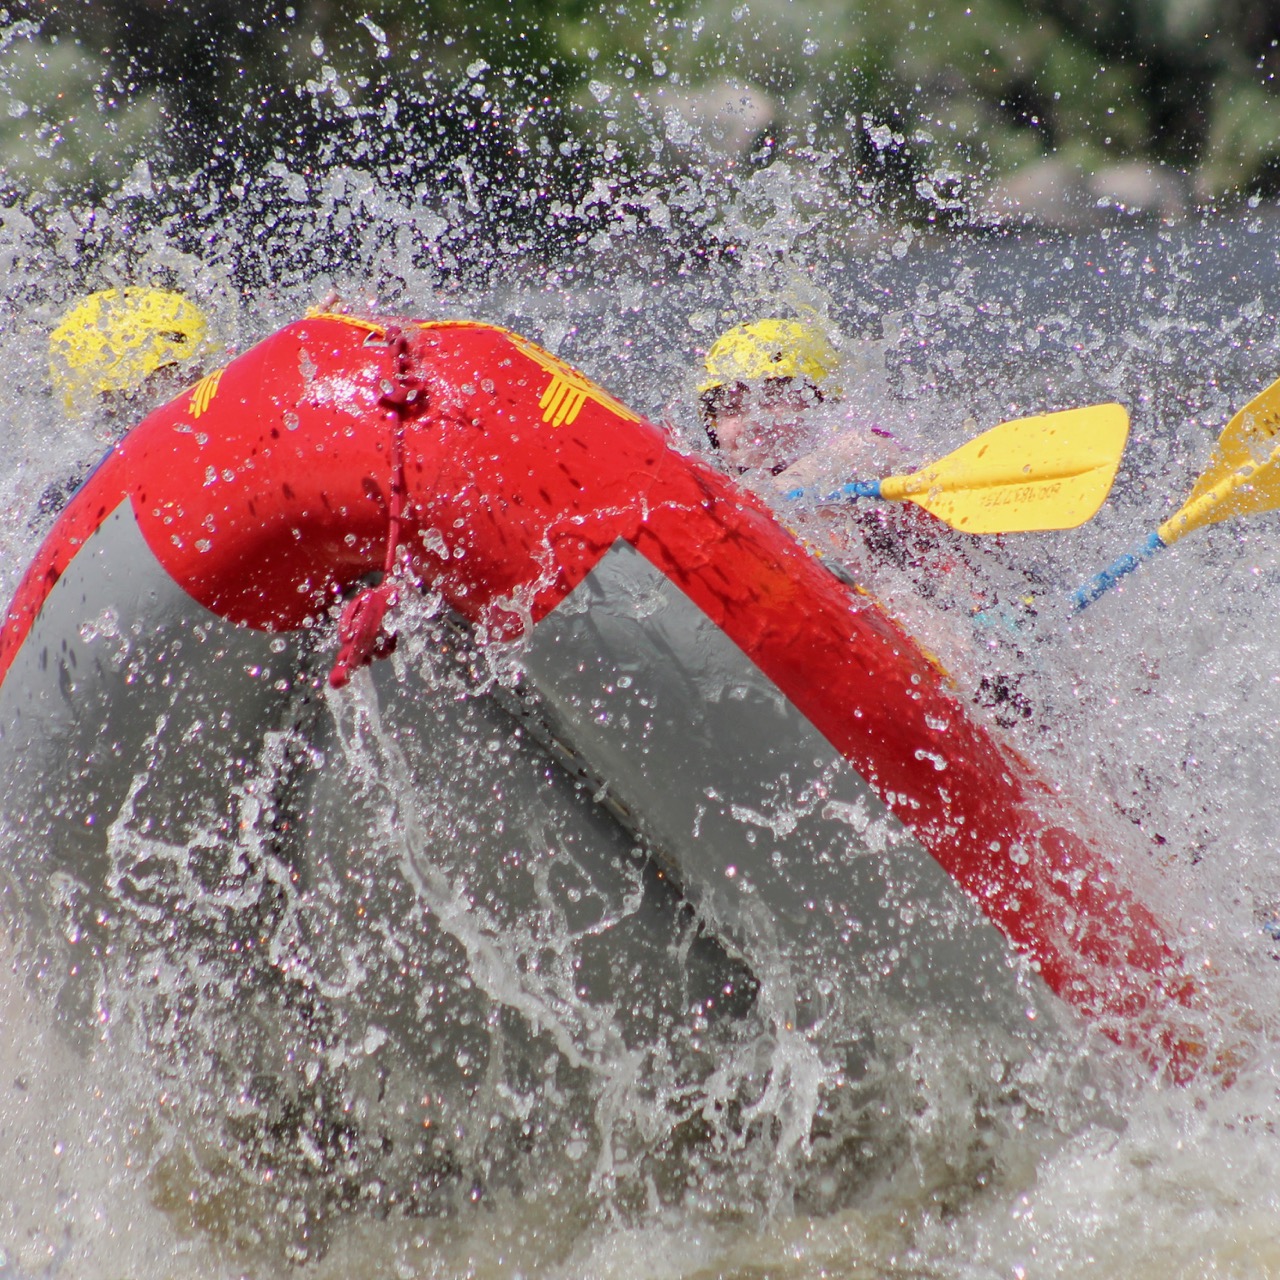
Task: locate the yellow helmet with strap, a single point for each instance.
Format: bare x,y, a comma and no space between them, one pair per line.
114,340
767,349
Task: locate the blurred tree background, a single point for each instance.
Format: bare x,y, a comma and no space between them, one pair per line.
517,116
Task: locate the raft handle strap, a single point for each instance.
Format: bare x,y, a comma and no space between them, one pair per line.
361,630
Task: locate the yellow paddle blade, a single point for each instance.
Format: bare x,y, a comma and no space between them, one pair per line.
1243,475
1052,471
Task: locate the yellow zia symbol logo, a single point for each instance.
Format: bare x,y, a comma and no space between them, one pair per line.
203,392
568,390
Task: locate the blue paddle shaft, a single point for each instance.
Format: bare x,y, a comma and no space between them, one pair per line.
1102,582
845,493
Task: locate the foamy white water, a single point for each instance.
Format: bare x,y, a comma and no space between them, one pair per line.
605,1134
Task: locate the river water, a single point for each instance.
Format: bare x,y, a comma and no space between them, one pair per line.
618,1098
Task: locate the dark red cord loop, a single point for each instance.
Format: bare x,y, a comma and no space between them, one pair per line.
361,631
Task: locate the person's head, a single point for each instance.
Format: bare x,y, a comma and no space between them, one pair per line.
763,380
113,342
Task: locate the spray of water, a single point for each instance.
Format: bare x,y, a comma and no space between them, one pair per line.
413,1002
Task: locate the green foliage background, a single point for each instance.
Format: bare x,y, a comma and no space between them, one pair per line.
920,104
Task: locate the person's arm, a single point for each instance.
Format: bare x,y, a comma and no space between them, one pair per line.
858,454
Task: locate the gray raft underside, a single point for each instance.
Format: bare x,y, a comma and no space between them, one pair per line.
399,865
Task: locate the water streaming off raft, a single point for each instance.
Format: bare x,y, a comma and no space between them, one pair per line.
483,1036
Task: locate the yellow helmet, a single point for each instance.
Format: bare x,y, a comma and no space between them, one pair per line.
772,349
115,339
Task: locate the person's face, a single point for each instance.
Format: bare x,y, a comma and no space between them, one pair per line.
120,410
764,426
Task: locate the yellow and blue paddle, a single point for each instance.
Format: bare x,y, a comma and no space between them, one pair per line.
1052,471
1242,478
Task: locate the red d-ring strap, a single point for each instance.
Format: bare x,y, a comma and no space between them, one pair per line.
361,628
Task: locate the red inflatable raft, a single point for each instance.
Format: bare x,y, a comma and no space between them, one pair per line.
786,749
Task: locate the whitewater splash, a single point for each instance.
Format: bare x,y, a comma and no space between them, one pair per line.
641,1116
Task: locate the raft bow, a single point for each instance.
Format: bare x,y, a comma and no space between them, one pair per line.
786,748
